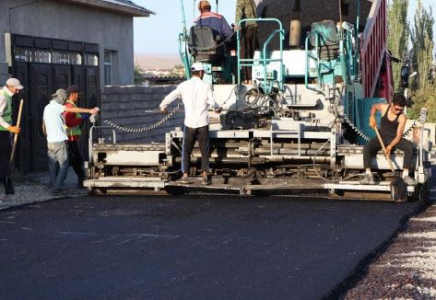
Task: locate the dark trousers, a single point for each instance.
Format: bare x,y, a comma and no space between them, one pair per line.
76,159
249,44
370,150
191,135
5,154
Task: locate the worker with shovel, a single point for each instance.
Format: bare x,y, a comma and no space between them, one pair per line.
393,122
12,87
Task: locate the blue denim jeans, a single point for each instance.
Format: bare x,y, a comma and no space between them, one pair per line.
57,164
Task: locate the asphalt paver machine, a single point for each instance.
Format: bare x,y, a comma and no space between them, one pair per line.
299,128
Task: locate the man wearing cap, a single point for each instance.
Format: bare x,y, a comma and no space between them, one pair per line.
73,122
197,96
216,22
53,127
12,87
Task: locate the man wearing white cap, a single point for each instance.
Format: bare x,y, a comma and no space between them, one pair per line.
197,96
54,128
12,87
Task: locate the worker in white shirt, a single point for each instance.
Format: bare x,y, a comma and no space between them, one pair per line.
197,97
53,127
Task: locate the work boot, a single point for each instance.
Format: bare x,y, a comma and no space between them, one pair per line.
205,181
368,179
184,180
409,181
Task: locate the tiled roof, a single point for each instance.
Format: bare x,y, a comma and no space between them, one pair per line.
120,6
130,4
126,3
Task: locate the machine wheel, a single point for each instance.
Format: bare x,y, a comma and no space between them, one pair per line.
422,193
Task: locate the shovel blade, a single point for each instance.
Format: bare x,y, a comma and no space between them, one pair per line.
9,187
398,190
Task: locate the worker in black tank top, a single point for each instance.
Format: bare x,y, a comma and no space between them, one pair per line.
388,128
393,123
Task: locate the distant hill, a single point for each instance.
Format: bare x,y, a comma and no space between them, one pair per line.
152,61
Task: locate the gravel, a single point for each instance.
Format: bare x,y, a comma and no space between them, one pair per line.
407,269
33,188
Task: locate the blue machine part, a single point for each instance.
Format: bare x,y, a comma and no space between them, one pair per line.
365,106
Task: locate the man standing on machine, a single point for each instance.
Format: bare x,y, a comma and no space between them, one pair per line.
246,9
197,96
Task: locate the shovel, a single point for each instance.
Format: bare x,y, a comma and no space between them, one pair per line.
9,187
398,186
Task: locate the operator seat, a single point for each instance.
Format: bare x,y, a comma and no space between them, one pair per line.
328,43
203,45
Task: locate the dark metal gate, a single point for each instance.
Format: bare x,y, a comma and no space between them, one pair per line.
43,66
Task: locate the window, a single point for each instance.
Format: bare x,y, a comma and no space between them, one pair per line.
109,67
23,54
48,56
91,60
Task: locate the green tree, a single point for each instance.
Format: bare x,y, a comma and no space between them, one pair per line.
177,71
423,98
398,38
422,58
422,42
138,79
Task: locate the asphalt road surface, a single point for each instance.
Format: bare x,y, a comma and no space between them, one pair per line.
189,247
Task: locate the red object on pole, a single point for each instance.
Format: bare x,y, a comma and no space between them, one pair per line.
373,51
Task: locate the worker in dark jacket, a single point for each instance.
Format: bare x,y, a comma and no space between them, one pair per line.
392,127
217,23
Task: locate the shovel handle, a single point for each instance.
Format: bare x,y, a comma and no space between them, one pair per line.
20,111
384,149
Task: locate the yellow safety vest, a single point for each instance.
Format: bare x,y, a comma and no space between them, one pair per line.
7,113
74,131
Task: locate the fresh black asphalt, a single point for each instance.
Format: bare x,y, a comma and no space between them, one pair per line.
188,247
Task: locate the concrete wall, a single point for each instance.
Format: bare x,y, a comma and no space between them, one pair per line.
60,20
126,106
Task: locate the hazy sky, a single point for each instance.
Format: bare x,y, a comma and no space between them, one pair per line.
159,33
